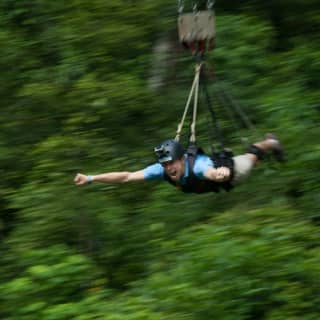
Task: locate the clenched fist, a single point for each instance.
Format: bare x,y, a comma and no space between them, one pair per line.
222,174
81,179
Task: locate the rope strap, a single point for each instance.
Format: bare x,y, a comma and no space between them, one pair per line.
194,93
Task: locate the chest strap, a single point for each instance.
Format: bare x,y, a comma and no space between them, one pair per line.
194,184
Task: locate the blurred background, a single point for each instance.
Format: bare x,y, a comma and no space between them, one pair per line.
93,86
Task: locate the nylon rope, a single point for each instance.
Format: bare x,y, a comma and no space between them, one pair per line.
238,110
214,119
232,115
234,111
194,88
195,105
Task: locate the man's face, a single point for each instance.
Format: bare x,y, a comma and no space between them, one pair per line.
174,169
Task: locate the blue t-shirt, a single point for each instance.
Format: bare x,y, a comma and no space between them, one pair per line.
201,164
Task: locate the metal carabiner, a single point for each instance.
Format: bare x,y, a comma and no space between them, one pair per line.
180,6
194,7
210,4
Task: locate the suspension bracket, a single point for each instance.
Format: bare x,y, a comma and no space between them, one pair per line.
197,30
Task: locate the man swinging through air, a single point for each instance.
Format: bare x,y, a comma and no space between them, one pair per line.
197,172
191,170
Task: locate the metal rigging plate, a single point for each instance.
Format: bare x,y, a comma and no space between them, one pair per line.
196,26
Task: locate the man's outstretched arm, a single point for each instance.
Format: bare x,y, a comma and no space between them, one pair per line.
111,177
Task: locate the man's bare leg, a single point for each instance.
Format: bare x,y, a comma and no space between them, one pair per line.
244,163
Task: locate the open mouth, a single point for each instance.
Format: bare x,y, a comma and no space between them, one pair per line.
173,173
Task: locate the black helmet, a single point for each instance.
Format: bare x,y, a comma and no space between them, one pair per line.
169,150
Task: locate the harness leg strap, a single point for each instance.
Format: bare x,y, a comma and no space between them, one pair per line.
259,153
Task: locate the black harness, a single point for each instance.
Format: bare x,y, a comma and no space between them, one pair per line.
194,184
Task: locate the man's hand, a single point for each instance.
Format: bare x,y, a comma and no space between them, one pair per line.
80,179
220,174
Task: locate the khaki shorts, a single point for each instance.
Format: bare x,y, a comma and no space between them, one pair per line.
242,168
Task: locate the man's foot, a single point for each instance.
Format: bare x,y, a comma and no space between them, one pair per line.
277,148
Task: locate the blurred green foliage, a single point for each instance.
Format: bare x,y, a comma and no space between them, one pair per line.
76,97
